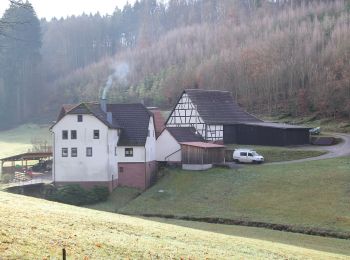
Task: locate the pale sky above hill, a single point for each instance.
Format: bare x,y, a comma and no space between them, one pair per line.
63,8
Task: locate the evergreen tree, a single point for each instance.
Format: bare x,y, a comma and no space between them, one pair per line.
19,58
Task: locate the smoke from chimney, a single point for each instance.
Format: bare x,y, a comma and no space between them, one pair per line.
120,73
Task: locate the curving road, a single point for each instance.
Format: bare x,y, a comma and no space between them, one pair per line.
339,150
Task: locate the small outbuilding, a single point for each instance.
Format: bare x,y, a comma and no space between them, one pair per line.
169,143
201,156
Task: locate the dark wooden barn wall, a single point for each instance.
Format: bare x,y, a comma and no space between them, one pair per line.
258,135
198,155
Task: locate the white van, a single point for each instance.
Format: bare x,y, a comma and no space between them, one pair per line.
247,156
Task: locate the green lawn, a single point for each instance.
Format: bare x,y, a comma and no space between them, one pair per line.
333,245
280,154
117,199
311,194
36,229
18,140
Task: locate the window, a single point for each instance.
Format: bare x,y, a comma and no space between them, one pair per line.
65,134
73,134
64,152
121,169
243,154
250,154
96,134
129,152
74,152
88,151
80,118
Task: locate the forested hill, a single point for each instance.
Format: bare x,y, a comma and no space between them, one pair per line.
276,57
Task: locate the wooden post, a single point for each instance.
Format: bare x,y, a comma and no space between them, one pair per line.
2,166
64,254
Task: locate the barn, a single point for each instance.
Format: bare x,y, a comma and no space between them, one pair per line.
218,118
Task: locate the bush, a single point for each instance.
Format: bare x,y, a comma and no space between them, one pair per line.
6,178
76,195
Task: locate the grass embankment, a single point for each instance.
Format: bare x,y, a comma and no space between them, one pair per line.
117,199
280,154
37,229
326,124
311,194
18,140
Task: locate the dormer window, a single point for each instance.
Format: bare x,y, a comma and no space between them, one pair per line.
80,118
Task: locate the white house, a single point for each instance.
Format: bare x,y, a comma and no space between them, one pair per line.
169,142
106,145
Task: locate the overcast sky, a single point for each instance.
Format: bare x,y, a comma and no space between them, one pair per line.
63,8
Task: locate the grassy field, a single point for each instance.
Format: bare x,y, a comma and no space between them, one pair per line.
117,200
332,245
37,229
18,140
311,194
280,154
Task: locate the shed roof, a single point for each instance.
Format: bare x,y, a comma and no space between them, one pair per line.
185,134
203,145
27,156
218,107
276,125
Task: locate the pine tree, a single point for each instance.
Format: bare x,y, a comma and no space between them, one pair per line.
19,58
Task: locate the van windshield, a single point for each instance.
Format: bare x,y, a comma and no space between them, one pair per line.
255,153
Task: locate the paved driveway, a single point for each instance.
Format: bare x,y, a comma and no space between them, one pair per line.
339,150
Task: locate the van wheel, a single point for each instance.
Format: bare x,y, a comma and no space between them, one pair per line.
255,162
236,160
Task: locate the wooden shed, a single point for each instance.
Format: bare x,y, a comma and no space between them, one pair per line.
200,155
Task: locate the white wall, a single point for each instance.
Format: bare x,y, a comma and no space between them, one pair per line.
167,145
151,142
103,163
189,115
139,151
186,114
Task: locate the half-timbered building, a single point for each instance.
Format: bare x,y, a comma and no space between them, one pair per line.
218,118
207,111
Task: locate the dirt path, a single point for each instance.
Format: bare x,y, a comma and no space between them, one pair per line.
334,151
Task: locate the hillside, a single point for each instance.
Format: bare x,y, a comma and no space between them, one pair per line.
37,229
276,57
275,60
307,195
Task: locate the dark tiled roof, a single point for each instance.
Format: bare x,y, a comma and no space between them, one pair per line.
185,134
95,109
218,107
64,110
134,120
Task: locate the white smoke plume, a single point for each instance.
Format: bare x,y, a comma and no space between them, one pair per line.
121,71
